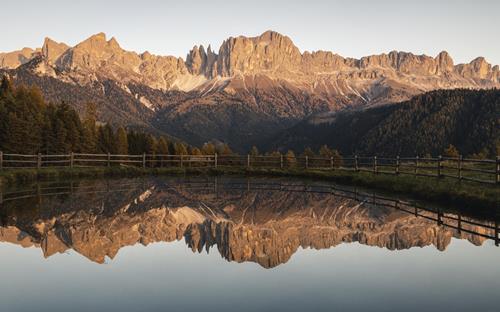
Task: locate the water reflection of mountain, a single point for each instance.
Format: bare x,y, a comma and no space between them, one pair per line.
245,222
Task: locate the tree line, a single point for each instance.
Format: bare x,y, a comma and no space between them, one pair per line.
29,125
427,124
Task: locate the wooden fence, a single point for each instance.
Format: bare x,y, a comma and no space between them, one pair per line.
477,170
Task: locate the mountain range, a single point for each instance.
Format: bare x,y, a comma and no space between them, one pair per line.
255,225
247,91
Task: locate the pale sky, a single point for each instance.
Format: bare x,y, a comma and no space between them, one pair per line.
466,29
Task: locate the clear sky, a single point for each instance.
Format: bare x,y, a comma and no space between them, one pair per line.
466,29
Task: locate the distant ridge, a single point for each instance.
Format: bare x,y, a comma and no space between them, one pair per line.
250,88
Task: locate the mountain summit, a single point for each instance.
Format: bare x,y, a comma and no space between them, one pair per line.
249,88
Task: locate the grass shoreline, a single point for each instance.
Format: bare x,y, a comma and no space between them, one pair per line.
444,191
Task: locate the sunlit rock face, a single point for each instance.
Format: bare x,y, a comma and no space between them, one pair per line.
270,54
253,87
261,226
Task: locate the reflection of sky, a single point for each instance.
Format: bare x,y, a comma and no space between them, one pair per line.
354,28
169,277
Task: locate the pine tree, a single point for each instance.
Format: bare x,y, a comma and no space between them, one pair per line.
162,150
180,149
151,144
5,86
338,161
208,149
61,136
451,152
254,151
121,141
89,131
225,150
106,139
326,152
163,146
290,159
196,151
308,152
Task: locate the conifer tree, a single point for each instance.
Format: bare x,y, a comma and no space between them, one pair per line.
162,150
163,146
121,141
208,149
89,131
196,151
254,151
180,149
151,144
106,139
290,159
308,152
225,150
325,151
451,151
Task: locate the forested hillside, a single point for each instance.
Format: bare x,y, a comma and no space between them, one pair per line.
426,124
29,125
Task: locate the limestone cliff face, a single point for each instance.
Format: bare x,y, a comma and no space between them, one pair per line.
16,58
52,50
266,227
250,90
97,58
271,54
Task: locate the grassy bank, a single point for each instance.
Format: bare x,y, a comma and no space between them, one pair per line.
446,191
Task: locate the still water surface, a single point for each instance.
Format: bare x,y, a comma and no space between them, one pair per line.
235,244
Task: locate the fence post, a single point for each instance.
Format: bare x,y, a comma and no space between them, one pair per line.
143,160
498,170
307,162
1,160
497,231
71,159
281,161
440,160
248,160
331,162
416,165
109,159
375,169
459,223
356,168
182,158
215,160
39,161
459,168
397,165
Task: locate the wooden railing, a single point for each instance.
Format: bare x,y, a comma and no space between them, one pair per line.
476,170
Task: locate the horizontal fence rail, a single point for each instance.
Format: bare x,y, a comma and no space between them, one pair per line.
464,169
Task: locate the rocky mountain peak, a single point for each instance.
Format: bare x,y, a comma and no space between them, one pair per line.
478,68
52,49
201,62
94,53
98,42
196,60
444,62
14,59
268,52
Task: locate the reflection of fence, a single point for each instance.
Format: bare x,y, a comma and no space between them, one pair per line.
489,229
477,170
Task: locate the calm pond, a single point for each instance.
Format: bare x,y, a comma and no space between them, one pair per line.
236,244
